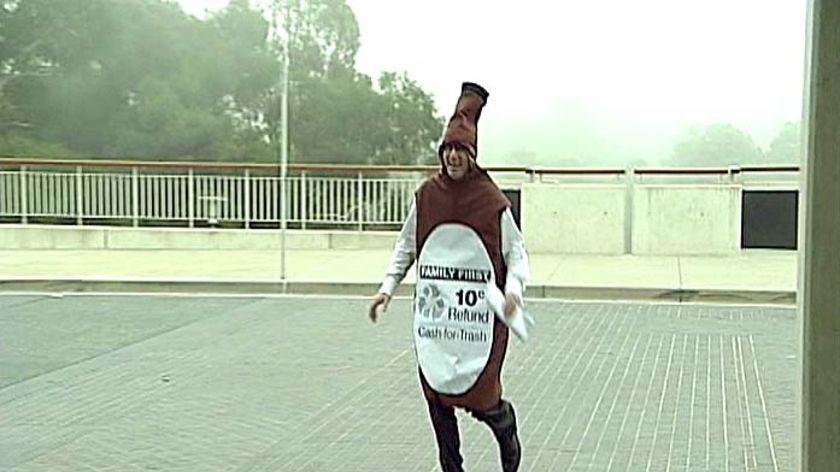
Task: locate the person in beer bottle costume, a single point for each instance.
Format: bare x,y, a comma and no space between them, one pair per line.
462,233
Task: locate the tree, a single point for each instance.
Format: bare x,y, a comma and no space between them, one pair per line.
324,36
18,144
165,85
336,114
717,145
335,120
46,49
412,127
786,147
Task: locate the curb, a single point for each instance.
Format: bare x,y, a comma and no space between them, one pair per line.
266,287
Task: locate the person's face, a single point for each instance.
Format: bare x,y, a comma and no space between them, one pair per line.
457,162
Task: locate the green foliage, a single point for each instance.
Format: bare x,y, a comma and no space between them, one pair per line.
786,147
142,79
409,112
717,145
18,144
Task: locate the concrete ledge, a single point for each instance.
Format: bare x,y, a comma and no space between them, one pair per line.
51,237
136,285
360,240
101,237
686,219
575,218
664,294
202,239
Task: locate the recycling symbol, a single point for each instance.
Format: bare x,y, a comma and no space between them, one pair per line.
430,302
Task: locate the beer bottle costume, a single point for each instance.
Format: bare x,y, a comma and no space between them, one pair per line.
464,236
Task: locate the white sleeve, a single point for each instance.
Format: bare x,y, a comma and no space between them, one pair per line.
404,253
515,255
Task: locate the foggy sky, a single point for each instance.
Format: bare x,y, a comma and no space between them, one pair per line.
611,82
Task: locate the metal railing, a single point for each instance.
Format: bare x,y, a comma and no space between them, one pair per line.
204,194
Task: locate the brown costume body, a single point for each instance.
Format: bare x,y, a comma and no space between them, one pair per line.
477,203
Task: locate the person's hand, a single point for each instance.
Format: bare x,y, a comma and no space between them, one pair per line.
511,302
378,299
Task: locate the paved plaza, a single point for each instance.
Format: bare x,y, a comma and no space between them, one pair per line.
766,277
181,383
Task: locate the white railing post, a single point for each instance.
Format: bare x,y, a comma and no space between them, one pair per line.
303,200
80,211
135,197
191,197
247,199
360,194
630,181
24,196
734,174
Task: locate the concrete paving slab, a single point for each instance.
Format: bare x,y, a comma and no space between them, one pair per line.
106,383
755,277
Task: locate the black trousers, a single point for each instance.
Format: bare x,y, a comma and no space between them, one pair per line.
501,420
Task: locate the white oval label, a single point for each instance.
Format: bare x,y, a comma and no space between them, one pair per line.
453,323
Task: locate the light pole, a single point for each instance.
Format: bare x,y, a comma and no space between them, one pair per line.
284,125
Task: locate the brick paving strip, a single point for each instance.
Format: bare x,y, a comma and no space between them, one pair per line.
308,384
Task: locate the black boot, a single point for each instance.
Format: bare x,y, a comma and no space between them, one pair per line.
502,420
448,439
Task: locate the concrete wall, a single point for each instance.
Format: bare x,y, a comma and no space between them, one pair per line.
556,218
819,270
86,238
50,237
574,219
686,219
